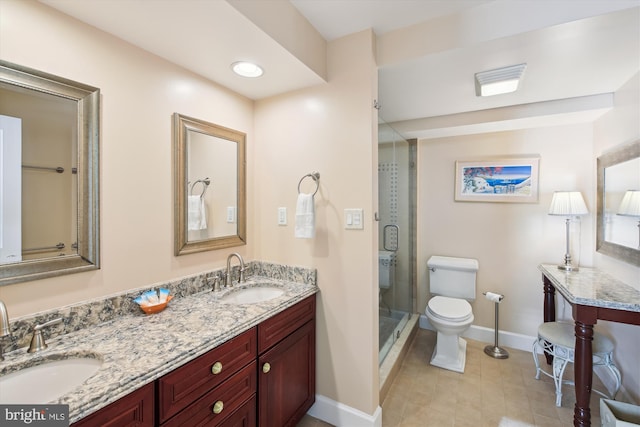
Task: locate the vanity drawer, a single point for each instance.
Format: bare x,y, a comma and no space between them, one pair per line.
186,384
234,402
272,330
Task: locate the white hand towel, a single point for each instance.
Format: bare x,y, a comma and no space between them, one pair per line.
197,213
305,217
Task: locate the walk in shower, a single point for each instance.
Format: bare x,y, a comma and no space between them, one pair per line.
396,223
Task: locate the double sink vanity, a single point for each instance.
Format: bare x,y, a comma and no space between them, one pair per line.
244,354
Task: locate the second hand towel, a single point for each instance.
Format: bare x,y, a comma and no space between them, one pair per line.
197,213
305,217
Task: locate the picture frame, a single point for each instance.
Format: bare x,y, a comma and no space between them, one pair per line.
506,180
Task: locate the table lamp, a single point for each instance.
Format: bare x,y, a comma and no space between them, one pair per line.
568,203
630,206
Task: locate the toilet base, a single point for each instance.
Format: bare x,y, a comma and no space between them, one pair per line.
450,353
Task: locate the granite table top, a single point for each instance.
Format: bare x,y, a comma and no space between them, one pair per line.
136,350
593,287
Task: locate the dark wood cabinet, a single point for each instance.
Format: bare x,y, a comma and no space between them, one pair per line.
264,376
186,384
286,377
221,403
135,409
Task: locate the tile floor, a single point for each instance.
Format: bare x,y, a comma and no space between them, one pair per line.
490,393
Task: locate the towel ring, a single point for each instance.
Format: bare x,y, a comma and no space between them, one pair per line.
313,175
205,184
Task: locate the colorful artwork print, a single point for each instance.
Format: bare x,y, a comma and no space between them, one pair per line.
507,180
497,180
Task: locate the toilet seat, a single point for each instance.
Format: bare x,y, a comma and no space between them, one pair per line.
451,309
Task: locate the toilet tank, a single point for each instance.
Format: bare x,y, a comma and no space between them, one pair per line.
453,277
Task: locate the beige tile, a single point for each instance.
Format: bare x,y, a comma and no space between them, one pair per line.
490,393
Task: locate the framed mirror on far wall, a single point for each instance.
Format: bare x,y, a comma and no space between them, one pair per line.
618,203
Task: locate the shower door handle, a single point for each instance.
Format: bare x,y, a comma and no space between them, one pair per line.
390,235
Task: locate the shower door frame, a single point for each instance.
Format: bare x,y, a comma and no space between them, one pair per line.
411,245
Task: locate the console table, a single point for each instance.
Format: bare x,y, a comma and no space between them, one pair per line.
593,296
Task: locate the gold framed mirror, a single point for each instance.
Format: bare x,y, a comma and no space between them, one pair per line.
210,189
50,209
618,224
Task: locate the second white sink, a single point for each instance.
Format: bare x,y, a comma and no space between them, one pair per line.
252,295
47,381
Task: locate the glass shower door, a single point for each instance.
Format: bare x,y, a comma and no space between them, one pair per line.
395,280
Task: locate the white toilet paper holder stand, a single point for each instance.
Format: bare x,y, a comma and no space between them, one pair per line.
494,350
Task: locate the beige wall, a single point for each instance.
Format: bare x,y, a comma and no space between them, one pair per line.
139,93
509,240
621,126
321,129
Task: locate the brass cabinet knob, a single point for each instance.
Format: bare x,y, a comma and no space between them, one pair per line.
216,368
266,368
218,407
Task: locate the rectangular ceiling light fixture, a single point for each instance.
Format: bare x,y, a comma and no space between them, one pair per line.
499,81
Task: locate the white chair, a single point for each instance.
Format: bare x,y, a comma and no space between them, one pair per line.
558,340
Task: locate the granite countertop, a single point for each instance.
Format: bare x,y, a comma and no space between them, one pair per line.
137,349
593,287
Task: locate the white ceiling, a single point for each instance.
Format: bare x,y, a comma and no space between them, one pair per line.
577,51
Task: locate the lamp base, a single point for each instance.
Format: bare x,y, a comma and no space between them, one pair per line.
568,267
496,352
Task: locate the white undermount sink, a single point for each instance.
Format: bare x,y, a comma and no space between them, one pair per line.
47,381
251,295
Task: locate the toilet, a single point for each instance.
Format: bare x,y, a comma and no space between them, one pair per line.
452,282
386,269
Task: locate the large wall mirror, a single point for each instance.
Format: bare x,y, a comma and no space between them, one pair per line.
49,133
210,205
618,228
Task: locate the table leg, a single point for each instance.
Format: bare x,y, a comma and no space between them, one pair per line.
583,373
549,308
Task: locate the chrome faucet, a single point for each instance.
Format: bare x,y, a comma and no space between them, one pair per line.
228,280
5,329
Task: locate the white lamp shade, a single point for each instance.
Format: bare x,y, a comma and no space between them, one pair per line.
630,205
567,203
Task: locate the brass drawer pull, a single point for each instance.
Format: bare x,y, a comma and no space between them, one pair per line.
218,407
266,368
216,368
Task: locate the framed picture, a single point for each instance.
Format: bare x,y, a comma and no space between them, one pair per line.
512,180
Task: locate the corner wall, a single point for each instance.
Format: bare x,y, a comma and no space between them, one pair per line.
331,129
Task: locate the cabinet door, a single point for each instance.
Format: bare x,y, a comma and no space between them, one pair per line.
286,379
135,409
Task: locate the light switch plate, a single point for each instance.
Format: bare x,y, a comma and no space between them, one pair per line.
282,216
353,219
231,214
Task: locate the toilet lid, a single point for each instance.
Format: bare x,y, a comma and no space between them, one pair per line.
449,308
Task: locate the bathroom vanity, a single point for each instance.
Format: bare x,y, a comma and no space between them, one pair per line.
264,376
207,359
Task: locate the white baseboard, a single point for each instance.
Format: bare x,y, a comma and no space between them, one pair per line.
482,334
341,415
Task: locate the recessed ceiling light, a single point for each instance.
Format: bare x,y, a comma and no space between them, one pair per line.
499,81
246,69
